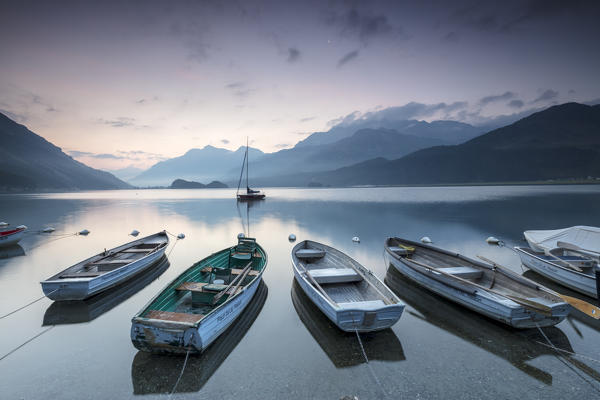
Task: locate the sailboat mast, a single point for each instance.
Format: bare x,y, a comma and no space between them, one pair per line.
247,163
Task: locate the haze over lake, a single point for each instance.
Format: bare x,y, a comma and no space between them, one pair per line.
283,347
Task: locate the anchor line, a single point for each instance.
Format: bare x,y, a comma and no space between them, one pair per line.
174,244
27,341
27,305
364,353
54,239
181,373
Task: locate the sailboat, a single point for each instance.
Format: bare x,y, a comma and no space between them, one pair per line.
250,194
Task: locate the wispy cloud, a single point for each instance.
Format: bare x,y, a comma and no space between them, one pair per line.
132,155
347,58
306,119
547,95
364,26
121,122
515,103
224,141
496,98
239,89
293,55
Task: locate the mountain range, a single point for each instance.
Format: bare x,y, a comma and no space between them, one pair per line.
29,162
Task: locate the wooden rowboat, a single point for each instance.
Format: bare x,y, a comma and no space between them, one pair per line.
107,269
199,305
345,291
493,291
9,237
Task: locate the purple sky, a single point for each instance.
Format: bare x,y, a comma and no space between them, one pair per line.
130,84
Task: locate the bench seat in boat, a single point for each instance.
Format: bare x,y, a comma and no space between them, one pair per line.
307,254
174,316
335,275
83,274
463,272
363,305
203,293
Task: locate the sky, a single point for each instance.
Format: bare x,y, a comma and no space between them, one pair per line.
130,83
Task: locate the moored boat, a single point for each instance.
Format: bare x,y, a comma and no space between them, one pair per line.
346,292
584,237
248,194
493,291
574,271
199,305
10,237
107,269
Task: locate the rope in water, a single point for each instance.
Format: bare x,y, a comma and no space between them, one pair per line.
54,239
26,305
563,350
364,353
181,373
23,344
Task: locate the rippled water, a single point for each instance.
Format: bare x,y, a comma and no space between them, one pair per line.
283,347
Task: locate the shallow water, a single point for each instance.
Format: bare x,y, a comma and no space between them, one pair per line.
283,347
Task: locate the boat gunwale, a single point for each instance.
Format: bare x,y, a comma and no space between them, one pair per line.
368,274
572,271
476,287
162,247
137,318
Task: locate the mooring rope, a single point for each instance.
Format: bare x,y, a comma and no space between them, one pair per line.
54,239
181,373
23,344
27,305
562,350
364,353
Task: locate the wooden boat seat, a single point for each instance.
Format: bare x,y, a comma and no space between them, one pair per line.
463,272
236,271
191,286
401,251
241,256
83,274
362,305
335,275
308,254
135,251
111,262
174,316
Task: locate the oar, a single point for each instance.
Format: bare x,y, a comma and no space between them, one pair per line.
233,282
583,306
574,247
560,260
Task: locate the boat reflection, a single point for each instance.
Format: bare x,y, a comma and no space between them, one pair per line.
77,311
11,251
155,373
518,347
343,348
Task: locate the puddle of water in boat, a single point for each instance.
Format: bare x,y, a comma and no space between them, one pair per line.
283,348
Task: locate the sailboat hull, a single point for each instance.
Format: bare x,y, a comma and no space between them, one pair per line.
251,196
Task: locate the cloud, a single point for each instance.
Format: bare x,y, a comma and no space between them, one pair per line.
515,103
365,27
239,89
224,141
293,55
347,58
234,85
546,96
132,155
14,116
146,100
451,37
282,145
306,119
120,122
495,98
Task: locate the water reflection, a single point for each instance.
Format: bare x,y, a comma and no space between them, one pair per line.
516,347
11,251
153,373
73,312
343,348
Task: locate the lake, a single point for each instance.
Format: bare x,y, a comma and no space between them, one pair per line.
283,347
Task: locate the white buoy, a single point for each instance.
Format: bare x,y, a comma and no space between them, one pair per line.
425,239
292,237
134,232
356,239
84,232
181,236
22,227
48,229
492,240
241,235
3,224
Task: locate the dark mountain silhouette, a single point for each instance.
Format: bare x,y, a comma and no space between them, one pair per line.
197,164
29,162
561,142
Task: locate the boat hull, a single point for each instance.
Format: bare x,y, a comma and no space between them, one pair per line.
12,239
251,197
582,283
182,338
81,288
485,303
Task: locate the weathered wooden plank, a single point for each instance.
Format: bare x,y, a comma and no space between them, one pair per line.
174,316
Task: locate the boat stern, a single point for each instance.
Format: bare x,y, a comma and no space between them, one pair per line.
368,316
165,337
61,290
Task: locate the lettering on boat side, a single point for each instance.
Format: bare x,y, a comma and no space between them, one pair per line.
228,312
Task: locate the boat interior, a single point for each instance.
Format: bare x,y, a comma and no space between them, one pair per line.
566,258
208,283
113,259
338,276
446,267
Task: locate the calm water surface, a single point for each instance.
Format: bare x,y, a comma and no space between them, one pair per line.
283,347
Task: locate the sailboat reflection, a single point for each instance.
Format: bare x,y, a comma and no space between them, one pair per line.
73,312
11,251
343,348
154,373
517,347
